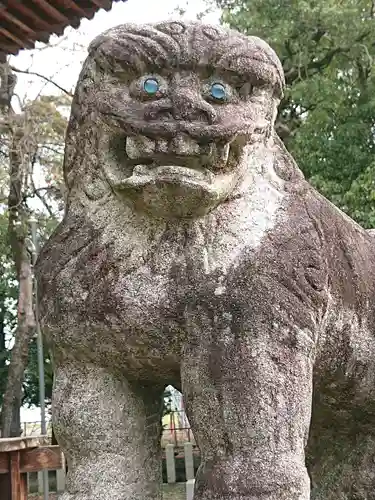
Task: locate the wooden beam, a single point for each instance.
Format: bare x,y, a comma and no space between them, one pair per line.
14,20
103,4
22,43
37,459
69,4
16,5
34,460
8,48
21,24
22,443
17,32
51,11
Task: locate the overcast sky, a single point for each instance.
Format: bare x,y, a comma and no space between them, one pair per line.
62,61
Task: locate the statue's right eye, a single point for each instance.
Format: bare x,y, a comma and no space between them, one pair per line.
151,86
218,91
148,87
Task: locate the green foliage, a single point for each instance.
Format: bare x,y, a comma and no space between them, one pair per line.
40,128
46,224
327,117
8,320
47,116
8,297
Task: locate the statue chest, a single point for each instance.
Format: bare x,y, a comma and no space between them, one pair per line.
133,303
156,296
137,320
148,296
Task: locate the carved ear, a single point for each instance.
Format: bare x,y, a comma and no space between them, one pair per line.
285,166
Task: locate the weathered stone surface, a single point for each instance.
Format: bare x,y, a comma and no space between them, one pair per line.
194,253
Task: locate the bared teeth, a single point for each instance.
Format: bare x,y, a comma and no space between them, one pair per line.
225,153
139,146
184,145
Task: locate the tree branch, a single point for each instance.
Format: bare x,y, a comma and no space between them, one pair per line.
49,148
36,192
45,188
320,32
43,77
293,73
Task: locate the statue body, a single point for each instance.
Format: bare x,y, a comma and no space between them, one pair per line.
194,253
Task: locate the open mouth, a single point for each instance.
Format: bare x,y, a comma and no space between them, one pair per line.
180,146
181,156
169,170
178,161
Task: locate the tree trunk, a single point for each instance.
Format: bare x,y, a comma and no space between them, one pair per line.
17,233
2,337
3,354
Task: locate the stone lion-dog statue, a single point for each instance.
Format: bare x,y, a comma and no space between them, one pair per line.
194,253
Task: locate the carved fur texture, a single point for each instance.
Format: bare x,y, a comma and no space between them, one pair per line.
194,253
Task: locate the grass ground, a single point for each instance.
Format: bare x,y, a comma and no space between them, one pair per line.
175,491
170,492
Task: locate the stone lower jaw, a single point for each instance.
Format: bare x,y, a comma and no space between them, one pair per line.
172,171
171,197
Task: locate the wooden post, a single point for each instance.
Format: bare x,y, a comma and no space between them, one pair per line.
18,456
18,481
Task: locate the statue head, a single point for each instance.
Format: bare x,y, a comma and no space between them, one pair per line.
165,116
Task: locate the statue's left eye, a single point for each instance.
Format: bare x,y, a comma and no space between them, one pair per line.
151,86
218,92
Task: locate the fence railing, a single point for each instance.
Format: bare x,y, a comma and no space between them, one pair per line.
172,473
56,483
180,456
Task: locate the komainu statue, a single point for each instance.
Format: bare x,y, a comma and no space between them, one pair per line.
194,253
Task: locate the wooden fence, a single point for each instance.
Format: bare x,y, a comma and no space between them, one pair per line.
172,472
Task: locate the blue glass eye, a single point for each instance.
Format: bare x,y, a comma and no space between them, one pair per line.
151,86
218,92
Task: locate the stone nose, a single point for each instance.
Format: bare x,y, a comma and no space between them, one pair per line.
184,102
188,105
